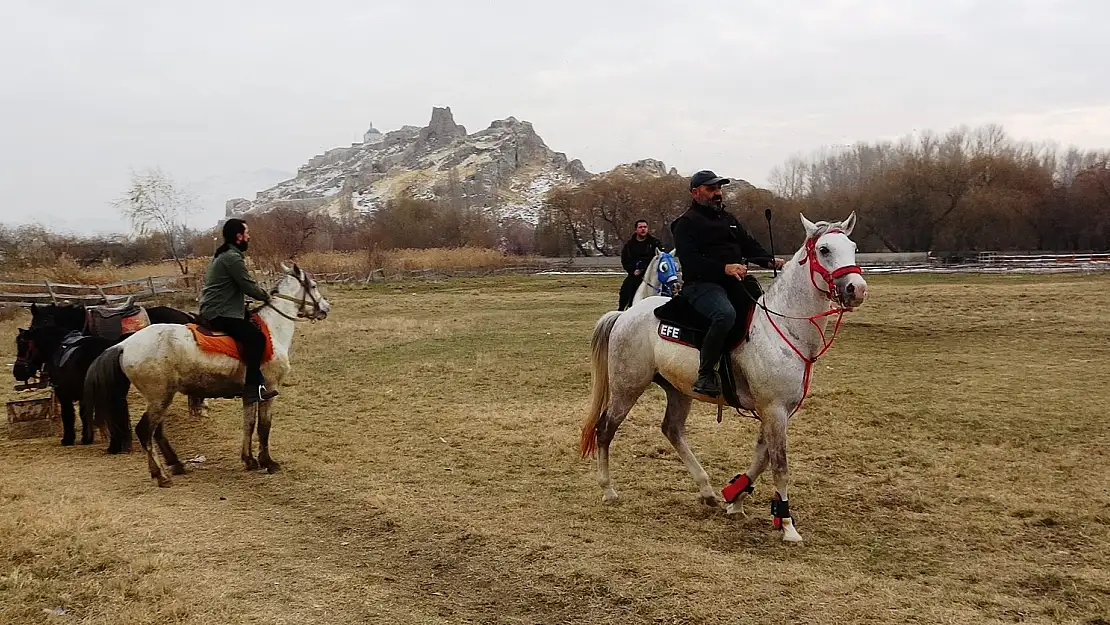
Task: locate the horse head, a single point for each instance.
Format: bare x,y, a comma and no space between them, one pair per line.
832,256
28,358
666,273
300,287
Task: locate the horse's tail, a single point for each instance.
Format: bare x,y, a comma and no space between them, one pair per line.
106,387
599,382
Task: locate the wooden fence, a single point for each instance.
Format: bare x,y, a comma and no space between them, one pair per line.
378,275
46,292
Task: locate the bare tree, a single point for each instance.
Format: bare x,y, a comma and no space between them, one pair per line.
156,204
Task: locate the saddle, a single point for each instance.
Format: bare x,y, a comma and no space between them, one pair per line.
115,322
680,323
69,345
215,342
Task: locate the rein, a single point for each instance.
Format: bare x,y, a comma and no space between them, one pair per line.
660,290
305,296
838,309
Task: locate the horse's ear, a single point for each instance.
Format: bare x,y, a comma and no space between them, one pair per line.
811,228
848,224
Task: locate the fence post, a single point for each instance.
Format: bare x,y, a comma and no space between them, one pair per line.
150,281
53,298
104,297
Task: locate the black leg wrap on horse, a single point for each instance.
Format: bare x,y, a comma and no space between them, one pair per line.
780,509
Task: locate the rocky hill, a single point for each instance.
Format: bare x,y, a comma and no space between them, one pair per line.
506,169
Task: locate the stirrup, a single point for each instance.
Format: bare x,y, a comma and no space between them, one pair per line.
259,394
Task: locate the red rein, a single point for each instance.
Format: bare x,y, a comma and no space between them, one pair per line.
816,269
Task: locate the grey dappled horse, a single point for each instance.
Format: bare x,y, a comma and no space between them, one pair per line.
787,334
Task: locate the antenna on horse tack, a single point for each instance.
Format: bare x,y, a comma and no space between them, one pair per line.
770,233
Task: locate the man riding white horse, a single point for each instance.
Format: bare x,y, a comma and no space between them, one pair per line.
714,249
636,255
223,306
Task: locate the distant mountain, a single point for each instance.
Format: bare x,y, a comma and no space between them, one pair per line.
506,168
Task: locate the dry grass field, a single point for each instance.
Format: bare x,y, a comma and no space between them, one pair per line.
952,465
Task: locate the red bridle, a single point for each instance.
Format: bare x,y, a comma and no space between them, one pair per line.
817,269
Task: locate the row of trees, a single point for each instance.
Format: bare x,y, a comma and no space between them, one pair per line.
276,236
963,191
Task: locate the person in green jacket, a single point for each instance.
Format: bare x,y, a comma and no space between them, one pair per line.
223,306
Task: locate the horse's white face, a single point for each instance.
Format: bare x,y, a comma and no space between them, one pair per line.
303,288
834,250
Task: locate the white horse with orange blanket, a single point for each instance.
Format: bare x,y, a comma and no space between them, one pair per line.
162,360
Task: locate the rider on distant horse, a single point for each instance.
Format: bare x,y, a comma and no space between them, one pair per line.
223,306
636,255
714,249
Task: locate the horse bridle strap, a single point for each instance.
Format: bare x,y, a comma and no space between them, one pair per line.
305,296
830,277
30,353
838,309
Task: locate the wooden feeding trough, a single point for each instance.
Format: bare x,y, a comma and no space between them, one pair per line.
34,418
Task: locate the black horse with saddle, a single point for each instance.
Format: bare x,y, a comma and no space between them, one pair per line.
63,340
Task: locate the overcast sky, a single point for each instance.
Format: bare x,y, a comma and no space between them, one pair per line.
231,91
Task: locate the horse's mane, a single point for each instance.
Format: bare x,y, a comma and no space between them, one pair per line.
64,312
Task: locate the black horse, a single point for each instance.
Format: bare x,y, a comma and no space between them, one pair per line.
58,346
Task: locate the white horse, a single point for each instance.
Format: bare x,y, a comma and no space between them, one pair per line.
162,360
661,277
787,334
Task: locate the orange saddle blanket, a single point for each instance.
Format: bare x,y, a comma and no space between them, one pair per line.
217,343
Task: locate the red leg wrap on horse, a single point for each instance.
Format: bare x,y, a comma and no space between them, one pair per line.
738,484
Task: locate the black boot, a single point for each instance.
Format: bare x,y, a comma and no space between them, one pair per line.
707,384
255,390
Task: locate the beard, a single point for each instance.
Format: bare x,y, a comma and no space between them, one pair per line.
242,245
716,202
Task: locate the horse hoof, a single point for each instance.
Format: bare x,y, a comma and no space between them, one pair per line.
271,467
250,463
735,509
709,500
88,441
177,469
789,534
610,496
66,442
164,482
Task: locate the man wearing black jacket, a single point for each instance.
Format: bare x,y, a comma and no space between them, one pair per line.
714,249
635,256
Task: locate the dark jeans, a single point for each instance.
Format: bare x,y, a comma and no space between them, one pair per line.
252,344
628,290
712,300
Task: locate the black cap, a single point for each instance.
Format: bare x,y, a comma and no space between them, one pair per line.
706,177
